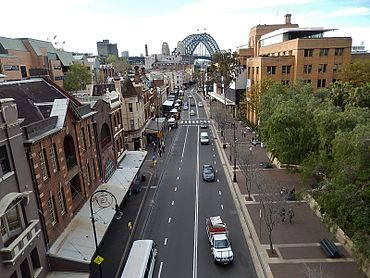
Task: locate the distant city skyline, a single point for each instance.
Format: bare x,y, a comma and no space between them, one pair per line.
77,25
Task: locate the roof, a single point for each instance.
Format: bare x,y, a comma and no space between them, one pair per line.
127,89
34,98
295,30
65,57
13,44
37,45
70,244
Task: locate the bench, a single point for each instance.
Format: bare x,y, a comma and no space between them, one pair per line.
330,248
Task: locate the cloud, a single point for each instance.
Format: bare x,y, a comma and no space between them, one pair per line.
351,11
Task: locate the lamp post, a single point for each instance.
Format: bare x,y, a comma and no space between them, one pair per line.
235,141
104,199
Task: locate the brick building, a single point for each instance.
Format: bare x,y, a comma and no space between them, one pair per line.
59,140
286,53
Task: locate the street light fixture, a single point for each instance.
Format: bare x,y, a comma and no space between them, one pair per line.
104,199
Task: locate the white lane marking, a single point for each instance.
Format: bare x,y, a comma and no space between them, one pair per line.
195,245
183,148
222,207
215,162
175,188
160,270
214,155
173,202
218,180
181,160
179,168
216,171
177,178
169,219
213,149
165,241
219,192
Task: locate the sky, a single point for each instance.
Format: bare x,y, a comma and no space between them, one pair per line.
76,25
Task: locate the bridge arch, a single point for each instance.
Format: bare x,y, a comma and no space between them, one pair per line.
192,41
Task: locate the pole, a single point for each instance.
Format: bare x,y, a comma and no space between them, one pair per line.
234,153
94,232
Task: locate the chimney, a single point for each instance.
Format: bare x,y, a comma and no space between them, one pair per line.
288,18
146,50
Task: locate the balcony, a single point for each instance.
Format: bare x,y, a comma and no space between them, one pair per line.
21,242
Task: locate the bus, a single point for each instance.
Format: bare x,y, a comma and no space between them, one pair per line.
141,260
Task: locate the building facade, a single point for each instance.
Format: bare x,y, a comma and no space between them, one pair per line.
105,48
22,243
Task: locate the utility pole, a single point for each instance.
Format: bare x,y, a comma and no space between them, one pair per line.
235,141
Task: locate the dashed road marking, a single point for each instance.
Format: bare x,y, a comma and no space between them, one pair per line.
165,241
219,192
169,219
222,206
175,189
173,202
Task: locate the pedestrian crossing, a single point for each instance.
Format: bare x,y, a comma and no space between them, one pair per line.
194,122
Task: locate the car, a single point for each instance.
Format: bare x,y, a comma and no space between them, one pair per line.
192,103
203,124
208,173
192,113
266,165
200,104
190,96
185,107
204,138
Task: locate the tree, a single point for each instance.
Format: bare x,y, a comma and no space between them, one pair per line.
78,76
120,65
226,64
357,74
250,173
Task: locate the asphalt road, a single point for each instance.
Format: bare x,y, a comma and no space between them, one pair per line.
178,205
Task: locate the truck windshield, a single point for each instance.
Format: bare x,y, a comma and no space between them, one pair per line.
221,243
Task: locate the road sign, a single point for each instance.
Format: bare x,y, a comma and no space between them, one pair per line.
98,260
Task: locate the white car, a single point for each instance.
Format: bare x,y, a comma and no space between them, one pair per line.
200,104
192,113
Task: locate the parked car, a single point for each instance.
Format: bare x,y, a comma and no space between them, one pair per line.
200,104
208,173
266,165
185,107
192,113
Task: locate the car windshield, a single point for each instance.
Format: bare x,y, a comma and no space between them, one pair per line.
208,169
221,243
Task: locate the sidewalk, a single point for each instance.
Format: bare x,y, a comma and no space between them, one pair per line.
297,244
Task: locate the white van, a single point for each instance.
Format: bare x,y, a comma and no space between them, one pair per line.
204,139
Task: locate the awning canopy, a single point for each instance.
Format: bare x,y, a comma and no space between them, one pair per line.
155,125
12,198
174,110
168,103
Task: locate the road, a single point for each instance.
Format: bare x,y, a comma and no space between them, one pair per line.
177,206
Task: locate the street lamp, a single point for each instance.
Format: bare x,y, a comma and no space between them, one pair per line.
104,199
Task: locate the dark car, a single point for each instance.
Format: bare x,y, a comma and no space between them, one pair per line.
266,165
208,173
203,124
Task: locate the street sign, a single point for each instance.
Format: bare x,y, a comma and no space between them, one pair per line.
98,260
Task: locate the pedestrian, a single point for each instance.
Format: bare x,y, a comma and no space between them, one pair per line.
282,214
250,149
160,152
154,146
129,226
163,147
244,133
290,215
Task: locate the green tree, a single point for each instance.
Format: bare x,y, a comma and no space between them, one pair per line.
226,64
78,76
120,65
357,74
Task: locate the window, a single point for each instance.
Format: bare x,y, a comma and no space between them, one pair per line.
88,135
339,52
51,206
324,52
83,137
57,67
336,67
88,173
4,160
257,70
252,70
93,169
308,81
35,259
322,68
307,69
10,68
12,223
285,82
43,164
308,52
132,124
271,70
130,107
334,80
53,155
62,204
285,69
321,83
57,78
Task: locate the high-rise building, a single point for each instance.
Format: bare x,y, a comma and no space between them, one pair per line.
105,48
165,49
125,54
180,48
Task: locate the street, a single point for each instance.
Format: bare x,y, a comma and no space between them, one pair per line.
178,205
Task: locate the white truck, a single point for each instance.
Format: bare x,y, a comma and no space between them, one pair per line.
218,237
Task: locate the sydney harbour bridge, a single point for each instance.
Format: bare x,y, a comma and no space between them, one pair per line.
200,46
